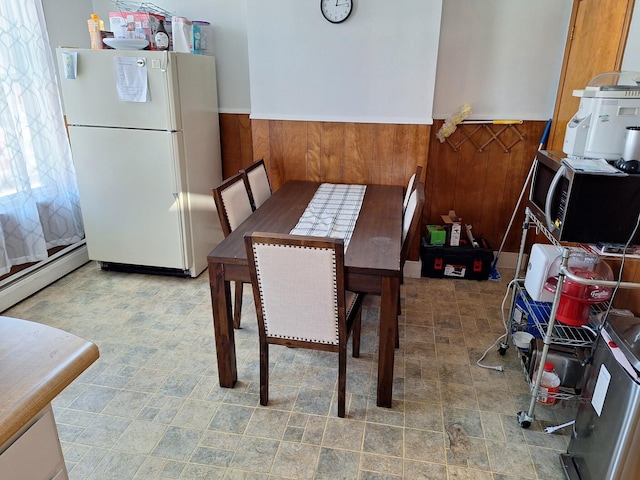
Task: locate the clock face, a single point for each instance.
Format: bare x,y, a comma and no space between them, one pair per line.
336,11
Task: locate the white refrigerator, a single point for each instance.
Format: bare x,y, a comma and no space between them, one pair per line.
145,139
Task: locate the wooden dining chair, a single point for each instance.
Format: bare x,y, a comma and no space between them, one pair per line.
411,221
257,182
300,298
415,177
234,207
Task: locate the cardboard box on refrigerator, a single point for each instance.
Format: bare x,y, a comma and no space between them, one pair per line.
140,25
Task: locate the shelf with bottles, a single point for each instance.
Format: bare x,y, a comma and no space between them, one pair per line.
565,393
551,398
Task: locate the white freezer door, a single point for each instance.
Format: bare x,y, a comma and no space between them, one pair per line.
129,194
92,97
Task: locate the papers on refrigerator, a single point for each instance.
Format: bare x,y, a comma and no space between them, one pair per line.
593,165
131,79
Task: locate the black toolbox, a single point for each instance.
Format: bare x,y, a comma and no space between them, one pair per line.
464,261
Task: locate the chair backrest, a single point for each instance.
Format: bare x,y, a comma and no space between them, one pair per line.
412,218
298,286
415,177
232,202
257,181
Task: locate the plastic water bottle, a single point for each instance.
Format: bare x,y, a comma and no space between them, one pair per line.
95,26
549,385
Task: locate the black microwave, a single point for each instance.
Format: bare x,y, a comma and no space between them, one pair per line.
583,207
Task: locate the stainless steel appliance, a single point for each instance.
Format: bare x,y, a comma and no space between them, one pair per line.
569,363
583,207
606,437
608,105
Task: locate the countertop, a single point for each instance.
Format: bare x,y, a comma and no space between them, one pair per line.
36,363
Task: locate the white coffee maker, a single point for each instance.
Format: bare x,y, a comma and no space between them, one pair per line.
608,105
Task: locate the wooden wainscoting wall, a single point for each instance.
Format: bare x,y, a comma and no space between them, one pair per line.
326,151
628,298
479,171
235,142
340,152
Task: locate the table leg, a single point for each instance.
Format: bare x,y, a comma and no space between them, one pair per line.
223,325
388,333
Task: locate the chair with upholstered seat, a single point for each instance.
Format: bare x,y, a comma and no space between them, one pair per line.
300,299
257,182
234,206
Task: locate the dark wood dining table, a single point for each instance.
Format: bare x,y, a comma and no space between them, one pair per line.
372,264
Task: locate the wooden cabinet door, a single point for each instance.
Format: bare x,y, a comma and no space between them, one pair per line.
595,44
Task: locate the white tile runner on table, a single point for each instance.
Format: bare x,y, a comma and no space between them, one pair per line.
332,212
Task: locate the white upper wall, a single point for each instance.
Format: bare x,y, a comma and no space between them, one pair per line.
631,59
501,56
229,26
378,66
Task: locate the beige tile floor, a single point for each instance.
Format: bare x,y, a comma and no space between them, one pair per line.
151,407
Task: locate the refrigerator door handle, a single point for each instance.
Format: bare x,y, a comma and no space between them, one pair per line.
164,62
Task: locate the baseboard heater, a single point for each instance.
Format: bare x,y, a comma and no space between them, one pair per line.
26,282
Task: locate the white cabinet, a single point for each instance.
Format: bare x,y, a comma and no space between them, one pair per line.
34,454
38,362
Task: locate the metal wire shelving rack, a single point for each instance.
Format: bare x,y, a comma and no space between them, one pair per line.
129,6
539,314
552,332
560,334
544,318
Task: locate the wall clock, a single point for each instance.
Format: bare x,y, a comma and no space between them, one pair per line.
336,11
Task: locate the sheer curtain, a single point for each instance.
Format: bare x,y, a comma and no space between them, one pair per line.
39,206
